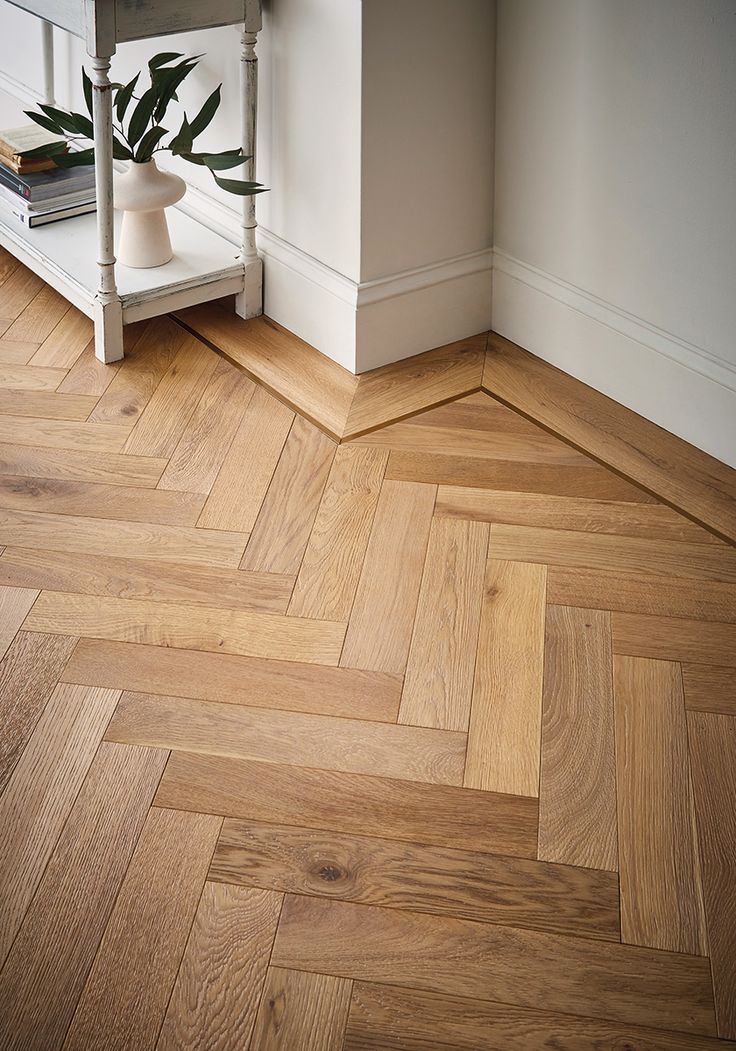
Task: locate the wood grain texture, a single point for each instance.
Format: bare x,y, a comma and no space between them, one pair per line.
380,626
713,761
675,639
577,784
302,1010
31,462
88,375
132,578
432,879
708,688
206,438
48,405
329,574
636,555
389,1018
62,435
456,957
412,753
219,983
352,803
66,341
506,711
238,492
283,526
28,674
51,957
41,792
683,476
124,999
439,674
30,378
39,317
661,894
236,680
15,605
12,352
18,290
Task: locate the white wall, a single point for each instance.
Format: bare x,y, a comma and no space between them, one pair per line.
615,201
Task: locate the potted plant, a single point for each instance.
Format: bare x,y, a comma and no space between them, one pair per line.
143,191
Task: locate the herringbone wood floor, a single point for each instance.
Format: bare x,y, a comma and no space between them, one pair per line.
421,742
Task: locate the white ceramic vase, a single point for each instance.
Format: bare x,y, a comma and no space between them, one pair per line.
142,193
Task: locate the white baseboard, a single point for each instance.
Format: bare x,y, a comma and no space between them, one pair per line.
684,389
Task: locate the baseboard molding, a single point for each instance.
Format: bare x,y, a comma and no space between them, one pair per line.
642,367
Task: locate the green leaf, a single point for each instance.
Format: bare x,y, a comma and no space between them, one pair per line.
182,141
149,142
243,189
167,81
207,112
87,88
72,123
45,122
75,158
163,59
217,161
49,149
142,115
124,96
119,151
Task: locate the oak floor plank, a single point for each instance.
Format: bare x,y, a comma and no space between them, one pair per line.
275,736
17,290
51,957
506,710
577,784
28,673
439,674
131,578
713,759
90,376
353,803
66,341
432,879
163,420
188,627
99,500
219,983
32,462
236,680
62,434
206,438
637,593
125,997
380,626
529,968
48,531
300,1010
538,447
328,578
709,688
621,554
240,487
390,1018
41,792
661,893
282,529
475,412
15,604
674,639
46,405
12,352
30,378
39,317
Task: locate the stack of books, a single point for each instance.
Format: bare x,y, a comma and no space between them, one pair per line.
33,191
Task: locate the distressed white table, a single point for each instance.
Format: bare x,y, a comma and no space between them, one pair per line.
77,256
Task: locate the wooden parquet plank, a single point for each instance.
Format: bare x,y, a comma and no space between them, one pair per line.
17,290
30,462
66,341
130,578
188,627
389,1018
205,440
506,711
475,412
713,759
15,604
46,405
164,419
14,353
30,378
352,803
28,674
301,1010
41,792
237,494
661,894
88,375
236,680
589,480
637,593
439,674
674,639
97,500
319,741
283,526
542,510
535,969
328,579
577,785
538,447
432,879
218,987
708,688
92,536
380,626
51,957
41,315
124,1000
620,554
62,434
8,263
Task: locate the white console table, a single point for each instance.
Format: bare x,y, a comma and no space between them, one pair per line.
77,256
